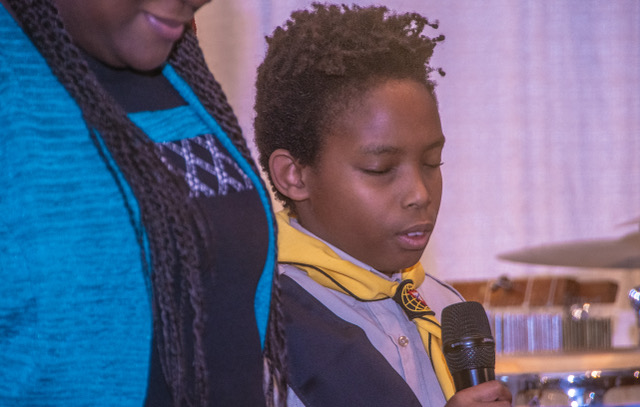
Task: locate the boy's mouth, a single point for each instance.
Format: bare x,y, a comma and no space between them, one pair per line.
415,237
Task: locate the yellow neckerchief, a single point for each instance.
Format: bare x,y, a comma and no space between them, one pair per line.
325,267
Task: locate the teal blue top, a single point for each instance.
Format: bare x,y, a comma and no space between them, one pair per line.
75,311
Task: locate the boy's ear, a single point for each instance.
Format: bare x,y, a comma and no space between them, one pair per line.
286,174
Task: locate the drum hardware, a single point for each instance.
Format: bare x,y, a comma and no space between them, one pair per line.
574,379
586,334
622,253
589,388
581,336
546,331
635,221
503,282
634,298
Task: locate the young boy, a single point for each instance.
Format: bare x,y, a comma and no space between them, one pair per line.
349,132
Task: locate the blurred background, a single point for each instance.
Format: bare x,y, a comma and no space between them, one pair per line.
540,217
541,109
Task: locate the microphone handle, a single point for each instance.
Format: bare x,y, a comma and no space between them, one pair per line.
471,377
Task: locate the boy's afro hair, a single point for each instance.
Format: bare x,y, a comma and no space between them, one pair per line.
321,60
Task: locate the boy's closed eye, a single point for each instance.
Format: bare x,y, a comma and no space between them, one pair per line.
386,168
377,171
438,165
383,170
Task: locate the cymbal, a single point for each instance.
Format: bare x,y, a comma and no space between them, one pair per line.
631,222
623,253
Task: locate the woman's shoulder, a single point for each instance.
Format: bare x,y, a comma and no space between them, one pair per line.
26,81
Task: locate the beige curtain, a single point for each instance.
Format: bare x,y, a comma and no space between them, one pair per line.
541,108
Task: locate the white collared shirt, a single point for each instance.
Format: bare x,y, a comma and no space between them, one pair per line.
385,324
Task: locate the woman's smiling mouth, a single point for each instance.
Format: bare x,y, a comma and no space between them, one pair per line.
168,29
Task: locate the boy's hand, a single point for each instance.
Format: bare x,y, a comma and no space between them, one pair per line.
493,393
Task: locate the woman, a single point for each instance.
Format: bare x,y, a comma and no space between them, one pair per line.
137,239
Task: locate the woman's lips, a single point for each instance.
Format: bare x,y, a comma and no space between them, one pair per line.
168,29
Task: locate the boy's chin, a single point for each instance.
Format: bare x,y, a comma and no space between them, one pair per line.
391,270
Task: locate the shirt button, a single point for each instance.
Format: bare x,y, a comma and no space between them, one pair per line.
403,341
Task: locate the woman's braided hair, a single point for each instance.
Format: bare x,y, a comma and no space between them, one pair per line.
172,222
322,60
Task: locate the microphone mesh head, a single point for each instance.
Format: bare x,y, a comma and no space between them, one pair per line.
466,337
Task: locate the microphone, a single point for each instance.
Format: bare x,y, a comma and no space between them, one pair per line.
467,344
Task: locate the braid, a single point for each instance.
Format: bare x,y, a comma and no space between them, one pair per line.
189,63
275,351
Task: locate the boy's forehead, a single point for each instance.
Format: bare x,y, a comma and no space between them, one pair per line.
394,117
383,148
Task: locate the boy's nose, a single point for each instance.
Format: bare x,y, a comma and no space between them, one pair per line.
196,4
418,193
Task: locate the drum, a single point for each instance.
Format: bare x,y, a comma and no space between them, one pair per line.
573,380
591,388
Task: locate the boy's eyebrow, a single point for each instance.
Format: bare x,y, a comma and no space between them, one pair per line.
438,143
379,149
